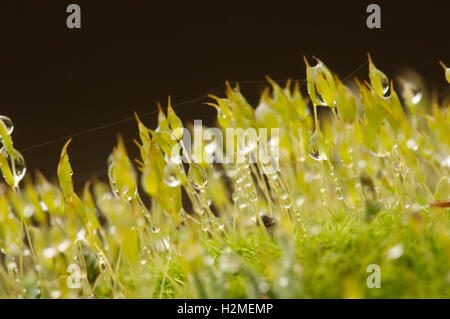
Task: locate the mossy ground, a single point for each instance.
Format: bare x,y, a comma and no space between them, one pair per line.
367,185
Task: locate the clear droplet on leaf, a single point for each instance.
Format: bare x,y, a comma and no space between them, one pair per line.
411,93
313,148
197,177
8,122
18,166
170,175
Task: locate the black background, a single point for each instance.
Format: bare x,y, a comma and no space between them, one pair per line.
56,82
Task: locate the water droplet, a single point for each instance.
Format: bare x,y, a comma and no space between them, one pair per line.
49,252
446,162
264,287
412,145
283,282
18,168
284,195
411,92
64,245
242,205
8,123
218,222
197,177
156,229
299,201
395,252
170,175
81,235
55,294
322,88
28,211
313,148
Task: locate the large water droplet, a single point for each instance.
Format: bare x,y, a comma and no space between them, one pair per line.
170,175
313,148
18,166
411,93
8,122
197,177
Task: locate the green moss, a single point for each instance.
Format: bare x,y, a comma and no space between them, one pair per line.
359,187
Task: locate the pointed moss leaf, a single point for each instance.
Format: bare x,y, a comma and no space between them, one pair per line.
197,177
144,135
65,172
345,101
33,197
265,116
223,112
122,175
320,83
6,138
174,121
90,207
152,174
6,171
378,80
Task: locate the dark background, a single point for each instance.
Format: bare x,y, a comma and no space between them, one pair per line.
56,82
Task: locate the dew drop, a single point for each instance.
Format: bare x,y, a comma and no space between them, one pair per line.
264,287
18,167
395,252
49,252
312,147
412,145
283,282
55,294
197,177
411,92
64,245
284,195
156,229
170,175
8,123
